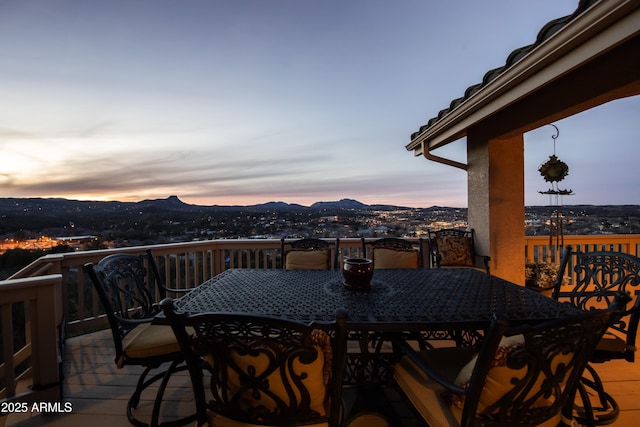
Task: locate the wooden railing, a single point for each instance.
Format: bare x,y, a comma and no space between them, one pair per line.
539,249
29,370
183,265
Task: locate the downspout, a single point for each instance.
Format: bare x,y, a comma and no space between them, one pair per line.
427,154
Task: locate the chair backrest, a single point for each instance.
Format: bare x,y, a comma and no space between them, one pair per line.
123,287
309,254
451,247
263,370
394,252
597,278
524,376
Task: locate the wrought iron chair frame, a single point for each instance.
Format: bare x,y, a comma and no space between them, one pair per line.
599,277
122,284
454,232
223,336
518,407
394,243
311,244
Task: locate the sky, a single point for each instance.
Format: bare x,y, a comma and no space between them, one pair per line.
250,101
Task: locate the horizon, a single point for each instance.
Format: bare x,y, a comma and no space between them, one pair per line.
303,205
240,103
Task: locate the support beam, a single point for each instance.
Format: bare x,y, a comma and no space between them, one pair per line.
496,201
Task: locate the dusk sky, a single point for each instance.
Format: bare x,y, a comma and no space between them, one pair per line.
243,102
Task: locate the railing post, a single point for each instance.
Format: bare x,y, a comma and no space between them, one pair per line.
44,324
39,294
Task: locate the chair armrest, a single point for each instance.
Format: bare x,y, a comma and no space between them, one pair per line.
158,277
429,370
177,291
485,261
435,257
134,322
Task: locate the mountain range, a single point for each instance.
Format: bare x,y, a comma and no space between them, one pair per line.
63,216
173,203
26,206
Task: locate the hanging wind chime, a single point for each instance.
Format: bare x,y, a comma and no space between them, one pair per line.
555,170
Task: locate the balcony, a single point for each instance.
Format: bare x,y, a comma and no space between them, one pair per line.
54,291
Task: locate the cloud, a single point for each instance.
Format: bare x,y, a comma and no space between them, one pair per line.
295,100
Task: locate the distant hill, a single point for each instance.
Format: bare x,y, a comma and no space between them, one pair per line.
171,203
340,204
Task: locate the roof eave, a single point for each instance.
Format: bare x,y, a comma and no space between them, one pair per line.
606,24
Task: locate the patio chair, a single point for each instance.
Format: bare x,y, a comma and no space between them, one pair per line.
309,254
394,252
122,283
597,278
452,247
521,375
262,370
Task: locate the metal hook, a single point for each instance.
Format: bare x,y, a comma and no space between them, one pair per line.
554,137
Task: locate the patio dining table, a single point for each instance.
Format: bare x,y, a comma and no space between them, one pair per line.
399,300
424,304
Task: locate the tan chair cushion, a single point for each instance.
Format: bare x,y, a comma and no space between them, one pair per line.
393,258
424,394
440,407
612,342
315,376
455,251
307,259
149,340
498,379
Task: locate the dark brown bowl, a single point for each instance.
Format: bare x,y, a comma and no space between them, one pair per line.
357,273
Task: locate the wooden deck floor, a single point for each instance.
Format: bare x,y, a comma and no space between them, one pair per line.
98,391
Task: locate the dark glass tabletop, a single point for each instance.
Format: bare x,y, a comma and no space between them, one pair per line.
398,299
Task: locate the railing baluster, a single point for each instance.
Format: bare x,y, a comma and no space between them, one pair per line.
81,299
